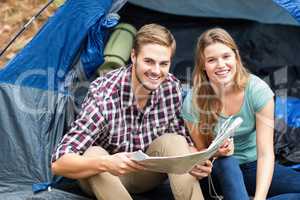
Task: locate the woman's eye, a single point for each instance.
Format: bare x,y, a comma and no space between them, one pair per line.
210,60
226,56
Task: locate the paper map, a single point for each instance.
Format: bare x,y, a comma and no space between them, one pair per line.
183,164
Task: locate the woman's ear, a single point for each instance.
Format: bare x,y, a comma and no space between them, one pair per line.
205,74
237,53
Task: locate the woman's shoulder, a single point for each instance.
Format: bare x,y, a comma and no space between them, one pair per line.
258,92
188,111
188,94
188,99
253,78
256,83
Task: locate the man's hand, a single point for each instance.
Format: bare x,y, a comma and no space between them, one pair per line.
120,163
226,149
202,170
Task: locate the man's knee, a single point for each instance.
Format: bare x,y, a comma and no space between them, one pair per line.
95,151
173,140
168,145
85,186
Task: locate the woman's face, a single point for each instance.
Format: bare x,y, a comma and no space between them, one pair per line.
220,64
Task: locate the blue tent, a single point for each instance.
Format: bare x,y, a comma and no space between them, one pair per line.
42,87
37,92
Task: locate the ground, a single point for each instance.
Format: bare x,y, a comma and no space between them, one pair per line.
14,14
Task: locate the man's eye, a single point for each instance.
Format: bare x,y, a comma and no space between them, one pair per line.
149,61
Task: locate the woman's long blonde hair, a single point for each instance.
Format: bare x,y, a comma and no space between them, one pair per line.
205,100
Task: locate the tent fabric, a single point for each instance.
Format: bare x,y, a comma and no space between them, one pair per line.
285,82
287,148
288,109
58,44
287,129
263,47
92,55
230,9
32,122
293,6
54,194
40,90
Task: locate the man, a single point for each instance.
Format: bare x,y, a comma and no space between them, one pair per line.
130,109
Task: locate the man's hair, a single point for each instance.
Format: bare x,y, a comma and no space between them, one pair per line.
154,34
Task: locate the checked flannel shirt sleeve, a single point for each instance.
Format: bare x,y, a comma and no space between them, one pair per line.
177,124
88,127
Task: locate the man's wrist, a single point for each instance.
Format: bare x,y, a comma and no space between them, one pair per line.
101,164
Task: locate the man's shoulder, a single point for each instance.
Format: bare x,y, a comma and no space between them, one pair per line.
171,88
172,81
108,84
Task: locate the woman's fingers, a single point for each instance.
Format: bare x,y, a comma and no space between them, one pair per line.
202,170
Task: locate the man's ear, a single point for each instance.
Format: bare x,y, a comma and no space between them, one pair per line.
133,56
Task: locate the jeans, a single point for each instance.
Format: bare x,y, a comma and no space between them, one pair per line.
237,182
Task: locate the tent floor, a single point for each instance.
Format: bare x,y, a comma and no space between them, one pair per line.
69,189
47,195
55,194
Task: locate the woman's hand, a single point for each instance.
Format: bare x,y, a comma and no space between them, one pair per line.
226,149
201,171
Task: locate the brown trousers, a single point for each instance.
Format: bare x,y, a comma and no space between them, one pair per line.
106,186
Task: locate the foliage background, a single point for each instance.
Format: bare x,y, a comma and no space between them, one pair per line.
14,14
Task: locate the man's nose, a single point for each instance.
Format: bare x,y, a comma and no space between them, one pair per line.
156,68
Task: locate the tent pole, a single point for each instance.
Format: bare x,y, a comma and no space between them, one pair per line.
25,27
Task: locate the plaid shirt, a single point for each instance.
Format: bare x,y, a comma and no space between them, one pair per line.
111,119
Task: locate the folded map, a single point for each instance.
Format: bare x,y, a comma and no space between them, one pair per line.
184,163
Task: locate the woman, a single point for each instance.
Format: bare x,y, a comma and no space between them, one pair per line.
223,88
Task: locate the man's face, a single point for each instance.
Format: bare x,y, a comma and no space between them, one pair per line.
150,66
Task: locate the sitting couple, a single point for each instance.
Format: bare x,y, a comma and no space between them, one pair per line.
140,107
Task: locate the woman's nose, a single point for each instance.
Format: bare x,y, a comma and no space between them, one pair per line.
220,63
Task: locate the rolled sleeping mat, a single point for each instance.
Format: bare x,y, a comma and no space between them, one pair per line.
118,48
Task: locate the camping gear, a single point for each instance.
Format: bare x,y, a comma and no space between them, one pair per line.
287,130
118,47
